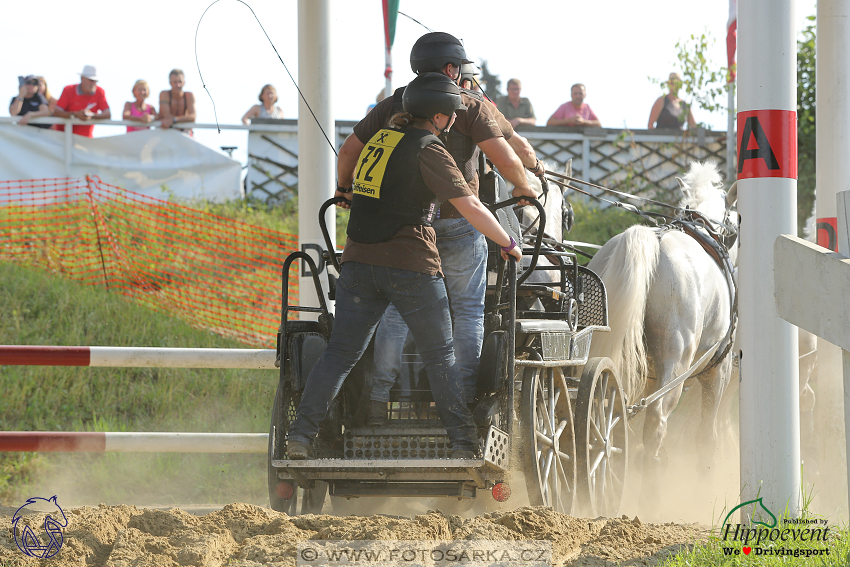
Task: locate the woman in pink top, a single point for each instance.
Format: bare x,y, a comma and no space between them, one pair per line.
139,111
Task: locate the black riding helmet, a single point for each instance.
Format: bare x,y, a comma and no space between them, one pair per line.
433,50
430,94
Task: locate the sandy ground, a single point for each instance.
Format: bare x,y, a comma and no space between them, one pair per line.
248,535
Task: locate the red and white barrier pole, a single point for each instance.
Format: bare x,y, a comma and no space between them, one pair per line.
138,357
93,442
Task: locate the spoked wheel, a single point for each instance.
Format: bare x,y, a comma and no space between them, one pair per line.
283,413
549,440
602,437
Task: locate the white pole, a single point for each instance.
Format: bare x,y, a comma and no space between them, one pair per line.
316,158
767,191
833,176
730,136
842,203
388,88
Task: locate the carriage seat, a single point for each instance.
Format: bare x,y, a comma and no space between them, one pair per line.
542,326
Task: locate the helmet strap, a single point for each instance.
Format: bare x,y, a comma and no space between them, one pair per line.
441,130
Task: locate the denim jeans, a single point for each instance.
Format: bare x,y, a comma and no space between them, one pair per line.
463,255
363,293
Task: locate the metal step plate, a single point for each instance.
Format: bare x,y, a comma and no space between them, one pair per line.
497,449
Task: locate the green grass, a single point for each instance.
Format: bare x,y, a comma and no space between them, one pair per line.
43,309
282,218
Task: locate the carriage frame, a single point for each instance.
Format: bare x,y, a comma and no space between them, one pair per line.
545,409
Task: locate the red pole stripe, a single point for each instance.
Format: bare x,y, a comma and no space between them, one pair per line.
52,441
44,355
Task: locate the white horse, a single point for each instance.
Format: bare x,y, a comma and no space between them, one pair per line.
669,304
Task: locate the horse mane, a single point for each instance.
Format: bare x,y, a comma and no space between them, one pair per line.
704,184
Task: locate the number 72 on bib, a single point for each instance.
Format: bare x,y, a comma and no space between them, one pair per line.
372,163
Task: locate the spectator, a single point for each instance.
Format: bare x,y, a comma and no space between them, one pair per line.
29,103
140,111
176,105
45,92
668,111
84,101
469,73
516,109
266,108
576,112
381,96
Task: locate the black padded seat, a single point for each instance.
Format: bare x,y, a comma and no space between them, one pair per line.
542,326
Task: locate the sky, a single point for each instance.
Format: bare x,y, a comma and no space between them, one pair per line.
613,46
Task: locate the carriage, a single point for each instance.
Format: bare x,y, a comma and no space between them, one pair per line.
546,410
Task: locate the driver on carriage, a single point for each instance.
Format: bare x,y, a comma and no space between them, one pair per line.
390,257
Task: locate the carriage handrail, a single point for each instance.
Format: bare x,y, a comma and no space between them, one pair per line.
331,248
536,253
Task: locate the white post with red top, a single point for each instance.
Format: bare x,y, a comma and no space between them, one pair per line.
767,201
316,157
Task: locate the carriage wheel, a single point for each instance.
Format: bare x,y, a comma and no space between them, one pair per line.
548,438
283,413
602,435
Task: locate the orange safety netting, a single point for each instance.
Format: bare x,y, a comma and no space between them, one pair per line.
213,272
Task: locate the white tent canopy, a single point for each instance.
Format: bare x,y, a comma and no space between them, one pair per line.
156,163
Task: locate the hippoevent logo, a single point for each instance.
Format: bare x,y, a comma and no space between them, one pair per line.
50,541
764,536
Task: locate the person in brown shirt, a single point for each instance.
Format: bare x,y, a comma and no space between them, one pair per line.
391,258
463,249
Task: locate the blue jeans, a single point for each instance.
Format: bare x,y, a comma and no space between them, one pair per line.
463,255
363,293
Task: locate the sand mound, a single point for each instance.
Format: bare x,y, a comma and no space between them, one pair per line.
248,535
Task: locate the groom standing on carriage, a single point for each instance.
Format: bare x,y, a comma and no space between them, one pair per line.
463,250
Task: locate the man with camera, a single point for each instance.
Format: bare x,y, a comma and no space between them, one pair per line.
29,103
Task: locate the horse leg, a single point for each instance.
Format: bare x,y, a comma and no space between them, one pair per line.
713,383
654,432
808,442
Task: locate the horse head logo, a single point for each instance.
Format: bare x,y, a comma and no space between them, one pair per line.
757,504
29,543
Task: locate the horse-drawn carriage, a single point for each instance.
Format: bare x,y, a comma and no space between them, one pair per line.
547,409
538,413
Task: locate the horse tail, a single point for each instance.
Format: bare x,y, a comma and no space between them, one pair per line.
627,265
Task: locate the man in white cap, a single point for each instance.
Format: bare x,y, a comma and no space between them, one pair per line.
84,101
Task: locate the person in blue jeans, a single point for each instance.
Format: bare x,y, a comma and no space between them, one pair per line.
391,257
463,258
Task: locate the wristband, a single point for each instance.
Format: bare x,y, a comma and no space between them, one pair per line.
534,169
510,246
344,189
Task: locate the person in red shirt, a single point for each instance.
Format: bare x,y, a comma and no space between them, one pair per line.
85,101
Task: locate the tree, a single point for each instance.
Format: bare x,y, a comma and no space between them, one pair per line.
806,139
491,81
702,81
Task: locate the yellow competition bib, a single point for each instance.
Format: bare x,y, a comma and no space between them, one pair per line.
373,162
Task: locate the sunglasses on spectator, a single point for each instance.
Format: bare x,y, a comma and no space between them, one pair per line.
33,82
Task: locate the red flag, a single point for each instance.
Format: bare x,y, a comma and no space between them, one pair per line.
732,40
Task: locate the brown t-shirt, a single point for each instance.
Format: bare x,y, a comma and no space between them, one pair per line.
414,248
481,121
